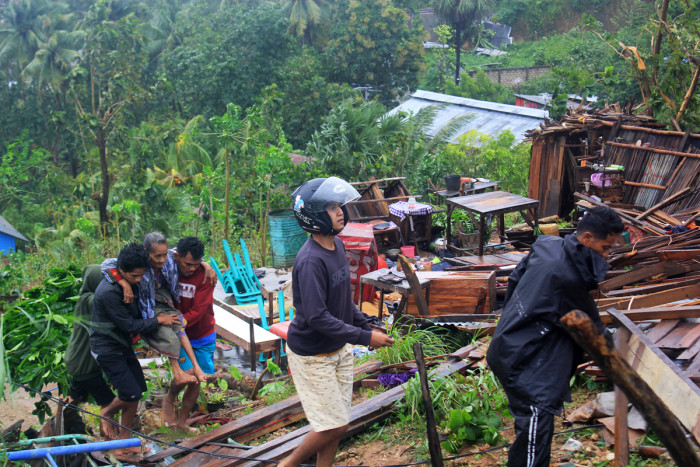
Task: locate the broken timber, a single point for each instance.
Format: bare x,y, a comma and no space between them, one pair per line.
362,415
616,366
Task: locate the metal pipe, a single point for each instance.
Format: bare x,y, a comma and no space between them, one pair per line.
73,449
51,439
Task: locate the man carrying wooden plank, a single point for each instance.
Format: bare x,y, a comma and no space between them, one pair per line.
327,321
532,355
196,305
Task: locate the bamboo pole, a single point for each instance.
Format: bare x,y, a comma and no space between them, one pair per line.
586,334
654,150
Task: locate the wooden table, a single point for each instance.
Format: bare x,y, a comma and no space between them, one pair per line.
495,203
403,288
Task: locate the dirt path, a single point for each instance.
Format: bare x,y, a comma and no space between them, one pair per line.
17,406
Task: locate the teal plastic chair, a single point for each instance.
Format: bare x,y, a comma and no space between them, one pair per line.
246,287
225,279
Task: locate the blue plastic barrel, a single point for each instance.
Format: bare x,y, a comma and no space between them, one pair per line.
286,237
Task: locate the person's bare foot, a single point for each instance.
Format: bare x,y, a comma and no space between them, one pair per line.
131,451
168,412
188,429
107,429
182,378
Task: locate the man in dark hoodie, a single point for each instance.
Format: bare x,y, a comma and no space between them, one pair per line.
531,354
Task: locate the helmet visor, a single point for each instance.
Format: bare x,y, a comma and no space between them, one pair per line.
332,190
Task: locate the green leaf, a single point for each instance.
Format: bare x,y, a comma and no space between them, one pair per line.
235,372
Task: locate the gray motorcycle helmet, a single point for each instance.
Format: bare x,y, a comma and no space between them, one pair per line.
312,197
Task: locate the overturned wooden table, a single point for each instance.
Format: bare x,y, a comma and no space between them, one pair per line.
495,203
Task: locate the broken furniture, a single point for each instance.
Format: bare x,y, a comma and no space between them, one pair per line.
373,207
457,292
478,187
361,252
237,324
488,206
414,221
403,288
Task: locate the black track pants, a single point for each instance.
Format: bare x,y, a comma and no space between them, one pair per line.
534,428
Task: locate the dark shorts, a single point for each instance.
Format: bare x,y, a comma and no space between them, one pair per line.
124,372
96,386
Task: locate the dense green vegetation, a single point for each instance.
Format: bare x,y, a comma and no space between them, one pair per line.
124,116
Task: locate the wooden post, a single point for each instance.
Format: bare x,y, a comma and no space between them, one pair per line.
433,440
608,358
414,283
622,446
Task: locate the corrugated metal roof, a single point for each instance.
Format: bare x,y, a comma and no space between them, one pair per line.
6,228
488,117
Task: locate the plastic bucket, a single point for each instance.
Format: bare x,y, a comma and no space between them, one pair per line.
286,237
408,251
453,182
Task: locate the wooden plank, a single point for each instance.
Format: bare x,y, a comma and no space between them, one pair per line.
677,255
675,389
645,314
645,289
659,331
690,352
674,197
658,270
238,329
690,338
671,341
205,457
236,428
653,299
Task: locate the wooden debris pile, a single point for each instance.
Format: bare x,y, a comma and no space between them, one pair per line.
616,157
656,283
212,448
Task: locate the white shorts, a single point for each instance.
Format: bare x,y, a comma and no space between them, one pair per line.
324,385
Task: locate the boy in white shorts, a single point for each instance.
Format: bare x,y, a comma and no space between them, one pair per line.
327,322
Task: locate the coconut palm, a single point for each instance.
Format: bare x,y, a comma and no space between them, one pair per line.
463,16
21,33
303,16
53,60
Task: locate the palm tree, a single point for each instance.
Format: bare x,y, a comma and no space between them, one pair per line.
463,16
21,34
53,60
303,16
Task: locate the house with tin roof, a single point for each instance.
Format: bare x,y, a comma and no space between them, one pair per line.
490,118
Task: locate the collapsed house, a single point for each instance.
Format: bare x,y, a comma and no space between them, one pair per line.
656,163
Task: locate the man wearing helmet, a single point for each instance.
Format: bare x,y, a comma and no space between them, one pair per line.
327,323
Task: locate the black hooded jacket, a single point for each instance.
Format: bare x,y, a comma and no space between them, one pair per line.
531,353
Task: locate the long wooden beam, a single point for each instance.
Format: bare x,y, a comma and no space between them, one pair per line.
640,393
644,314
654,150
